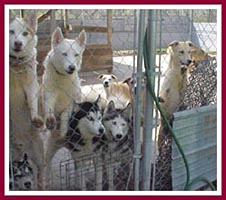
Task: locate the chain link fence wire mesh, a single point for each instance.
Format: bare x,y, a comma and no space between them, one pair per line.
200,88
112,46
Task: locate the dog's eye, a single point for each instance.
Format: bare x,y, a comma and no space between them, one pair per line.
182,52
64,54
76,55
25,33
114,122
11,32
99,118
123,124
90,118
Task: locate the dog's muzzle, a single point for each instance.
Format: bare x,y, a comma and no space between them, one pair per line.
187,62
117,137
106,84
101,131
71,69
27,185
18,46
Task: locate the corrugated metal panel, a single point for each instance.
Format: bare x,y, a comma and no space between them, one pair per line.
196,131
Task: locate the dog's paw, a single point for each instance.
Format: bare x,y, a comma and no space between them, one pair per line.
51,122
37,121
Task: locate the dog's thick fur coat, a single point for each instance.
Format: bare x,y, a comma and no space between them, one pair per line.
21,175
61,84
118,142
172,93
175,81
117,91
24,94
84,131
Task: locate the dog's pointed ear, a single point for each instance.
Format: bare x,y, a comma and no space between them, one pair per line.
57,36
100,76
129,81
32,20
25,157
76,107
98,101
111,106
82,39
11,16
197,53
128,111
191,44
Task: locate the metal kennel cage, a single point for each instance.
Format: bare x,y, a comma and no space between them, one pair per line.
115,41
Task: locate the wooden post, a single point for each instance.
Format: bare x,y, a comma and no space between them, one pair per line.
52,21
109,27
66,23
22,13
109,33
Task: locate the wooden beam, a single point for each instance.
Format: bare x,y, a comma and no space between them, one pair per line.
109,26
44,16
99,29
52,21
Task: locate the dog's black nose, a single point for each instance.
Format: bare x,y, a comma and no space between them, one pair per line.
18,45
101,130
106,83
118,136
188,62
71,67
27,185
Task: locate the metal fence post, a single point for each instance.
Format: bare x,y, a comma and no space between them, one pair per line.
138,103
191,24
148,128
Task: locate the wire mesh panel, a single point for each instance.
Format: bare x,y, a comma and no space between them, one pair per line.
200,79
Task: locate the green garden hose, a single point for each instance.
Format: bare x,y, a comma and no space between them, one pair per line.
147,66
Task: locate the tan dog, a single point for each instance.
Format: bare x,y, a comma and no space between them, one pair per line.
119,92
175,82
91,92
24,87
197,54
24,94
172,93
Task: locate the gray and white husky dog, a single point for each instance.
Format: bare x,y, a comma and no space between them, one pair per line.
21,175
85,129
119,144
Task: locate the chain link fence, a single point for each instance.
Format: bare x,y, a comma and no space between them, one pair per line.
112,47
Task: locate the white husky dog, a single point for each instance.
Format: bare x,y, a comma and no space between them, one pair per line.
24,93
61,84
